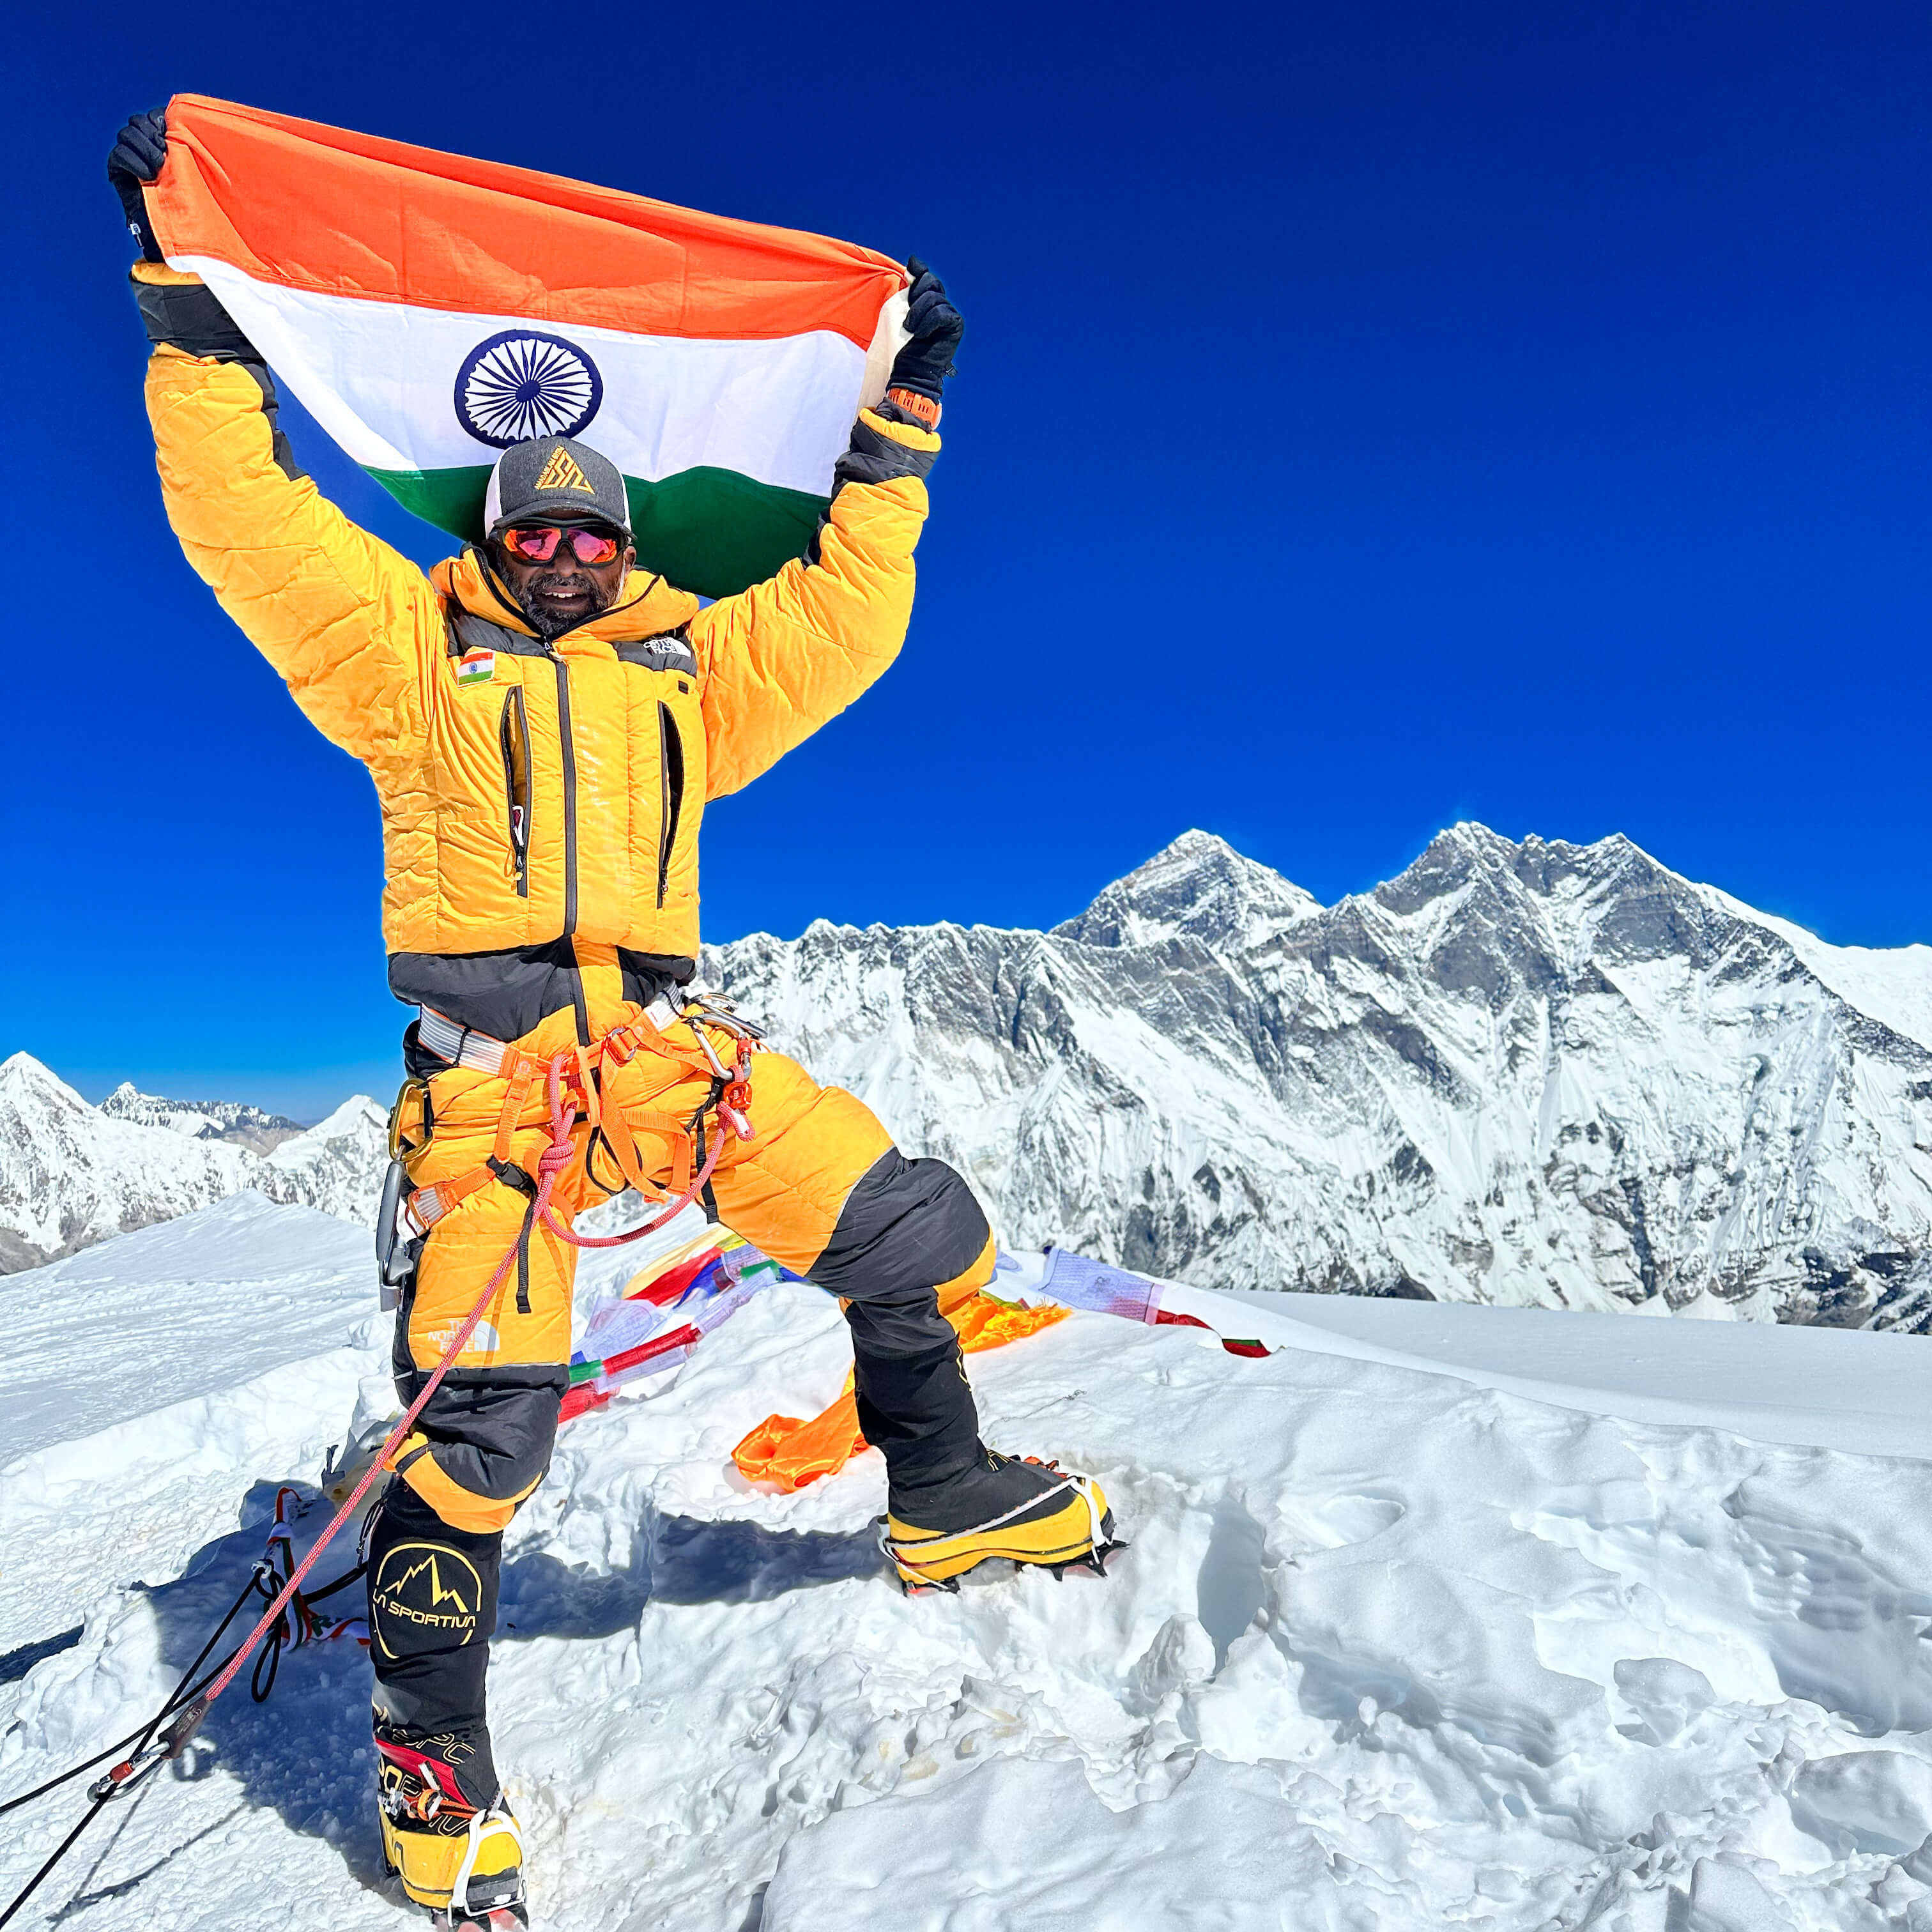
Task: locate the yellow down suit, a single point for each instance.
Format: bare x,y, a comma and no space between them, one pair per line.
541,804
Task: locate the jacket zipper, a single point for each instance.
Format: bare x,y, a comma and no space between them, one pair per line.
515,733
670,791
569,790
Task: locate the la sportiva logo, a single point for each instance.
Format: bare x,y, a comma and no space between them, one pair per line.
521,384
424,1588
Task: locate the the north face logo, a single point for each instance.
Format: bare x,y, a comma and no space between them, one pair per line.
562,472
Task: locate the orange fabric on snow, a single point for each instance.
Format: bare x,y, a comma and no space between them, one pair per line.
790,1453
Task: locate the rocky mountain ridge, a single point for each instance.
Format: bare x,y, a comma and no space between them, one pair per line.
236,1121
1536,1073
72,1175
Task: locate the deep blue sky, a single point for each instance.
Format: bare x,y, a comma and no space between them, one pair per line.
1370,415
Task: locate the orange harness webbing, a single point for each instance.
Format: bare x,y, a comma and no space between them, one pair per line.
573,1079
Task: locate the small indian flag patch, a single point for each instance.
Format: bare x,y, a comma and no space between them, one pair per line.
476,667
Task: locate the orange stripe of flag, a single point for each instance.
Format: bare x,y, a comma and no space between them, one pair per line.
337,213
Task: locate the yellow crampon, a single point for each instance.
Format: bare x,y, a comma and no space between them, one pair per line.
1065,1522
468,1871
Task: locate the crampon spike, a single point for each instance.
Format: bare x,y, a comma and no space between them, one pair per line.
497,1918
917,1586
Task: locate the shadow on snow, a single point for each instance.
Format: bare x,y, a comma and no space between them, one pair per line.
307,1753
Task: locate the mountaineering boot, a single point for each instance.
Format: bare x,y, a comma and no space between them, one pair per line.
951,1502
1022,1509
446,1831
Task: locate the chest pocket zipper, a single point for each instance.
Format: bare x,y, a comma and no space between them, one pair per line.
670,781
515,733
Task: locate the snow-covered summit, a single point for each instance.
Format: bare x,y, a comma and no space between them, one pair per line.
1200,888
71,1175
1529,1072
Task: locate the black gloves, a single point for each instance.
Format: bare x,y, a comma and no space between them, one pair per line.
136,157
924,364
189,317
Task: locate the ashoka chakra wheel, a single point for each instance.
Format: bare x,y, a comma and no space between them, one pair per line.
520,384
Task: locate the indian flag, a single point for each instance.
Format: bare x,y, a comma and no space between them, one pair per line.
429,310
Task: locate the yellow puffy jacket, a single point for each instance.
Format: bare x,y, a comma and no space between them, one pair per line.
530,793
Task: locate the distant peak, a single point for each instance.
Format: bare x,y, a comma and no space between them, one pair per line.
33,1083
23,1066
1198,886
1469,854
1194,846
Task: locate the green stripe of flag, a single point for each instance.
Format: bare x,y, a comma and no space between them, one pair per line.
712,531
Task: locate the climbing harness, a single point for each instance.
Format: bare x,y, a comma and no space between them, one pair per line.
575,1082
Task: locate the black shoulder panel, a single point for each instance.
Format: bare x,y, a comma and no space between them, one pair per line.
470,632
669,652
874,458
285,456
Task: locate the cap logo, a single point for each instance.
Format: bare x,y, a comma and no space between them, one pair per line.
562,472
520,384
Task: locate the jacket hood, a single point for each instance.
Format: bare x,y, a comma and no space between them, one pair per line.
648,607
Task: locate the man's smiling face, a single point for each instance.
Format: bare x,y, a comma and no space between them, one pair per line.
580,577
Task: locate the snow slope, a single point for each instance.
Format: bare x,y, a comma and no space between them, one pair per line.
153,1377
1386,1650
1827,1388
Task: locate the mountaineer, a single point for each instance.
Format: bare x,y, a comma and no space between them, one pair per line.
544,725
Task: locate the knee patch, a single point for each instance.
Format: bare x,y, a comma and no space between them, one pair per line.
481,1447
907,1228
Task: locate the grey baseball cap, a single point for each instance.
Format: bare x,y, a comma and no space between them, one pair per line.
554,479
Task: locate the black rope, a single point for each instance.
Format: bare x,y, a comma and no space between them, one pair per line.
341,1582
66,1845
185,1693
174,1701
288,1633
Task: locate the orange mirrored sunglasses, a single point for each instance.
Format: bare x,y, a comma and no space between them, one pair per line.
539,545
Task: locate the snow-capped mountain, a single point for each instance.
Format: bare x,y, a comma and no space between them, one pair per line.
234,1121
71,1175
1536,1073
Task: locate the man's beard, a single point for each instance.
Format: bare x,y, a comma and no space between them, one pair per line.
549,623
